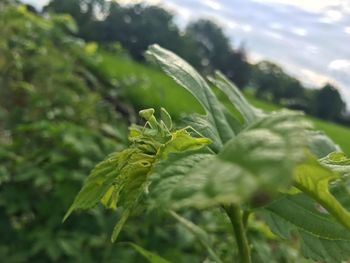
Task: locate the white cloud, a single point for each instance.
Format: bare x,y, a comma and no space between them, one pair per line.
247,28
309,5
36,3
274,34
332,16
232,24
254,57
312,49
299,31
212,4
340,65
276,26
313,78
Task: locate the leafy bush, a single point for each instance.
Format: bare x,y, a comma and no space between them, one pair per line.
54,125
258,168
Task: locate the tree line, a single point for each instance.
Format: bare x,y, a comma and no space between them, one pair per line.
204,44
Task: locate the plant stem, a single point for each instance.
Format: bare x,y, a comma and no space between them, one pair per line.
245,218
235,216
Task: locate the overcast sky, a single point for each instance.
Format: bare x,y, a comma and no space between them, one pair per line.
309,38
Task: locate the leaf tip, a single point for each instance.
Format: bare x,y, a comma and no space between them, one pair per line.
65,217
67,214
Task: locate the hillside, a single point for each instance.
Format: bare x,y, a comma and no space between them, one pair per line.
147,86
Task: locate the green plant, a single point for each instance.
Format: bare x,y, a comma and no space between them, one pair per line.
54,127
273,166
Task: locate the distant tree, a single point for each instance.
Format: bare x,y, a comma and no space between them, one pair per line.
71,7
293,89
215,52
296,97
237,68
328,103
84,12
344,119
211,43
270,80
138,26
31,8
203,44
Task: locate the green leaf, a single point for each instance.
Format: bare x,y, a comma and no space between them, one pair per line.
167,174
313,179
200,234
338,162
99,181
119,225
323,238
269,148
251,162
188,77
341,191
213,182
150,256
248,112
320,144
122,179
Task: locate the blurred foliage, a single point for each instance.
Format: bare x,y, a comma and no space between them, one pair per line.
270,79
329,104
54,125
203,43
215,52
272,82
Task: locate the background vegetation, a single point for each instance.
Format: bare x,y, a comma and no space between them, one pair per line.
204,45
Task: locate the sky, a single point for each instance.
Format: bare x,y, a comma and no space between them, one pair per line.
308,38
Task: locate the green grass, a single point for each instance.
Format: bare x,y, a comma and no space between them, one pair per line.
339,133
147,86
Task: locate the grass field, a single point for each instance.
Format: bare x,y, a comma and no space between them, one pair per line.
148,87
339,133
